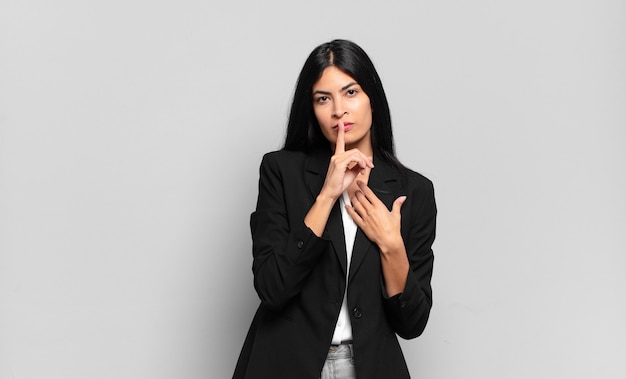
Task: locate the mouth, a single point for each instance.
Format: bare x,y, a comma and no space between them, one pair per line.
346,126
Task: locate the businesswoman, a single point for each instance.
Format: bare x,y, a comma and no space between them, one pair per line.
342,234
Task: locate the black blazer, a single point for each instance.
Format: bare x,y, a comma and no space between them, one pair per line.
300,278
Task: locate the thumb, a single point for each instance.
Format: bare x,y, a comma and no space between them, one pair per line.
397,204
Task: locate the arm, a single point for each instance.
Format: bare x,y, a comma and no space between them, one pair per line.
284,253
343,170
406,260
383,228
408,311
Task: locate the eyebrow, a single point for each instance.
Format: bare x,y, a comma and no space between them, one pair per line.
341,90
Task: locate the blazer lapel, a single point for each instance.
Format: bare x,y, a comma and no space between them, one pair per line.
316,168
384,181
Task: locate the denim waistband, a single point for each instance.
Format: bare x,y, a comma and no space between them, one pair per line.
340,351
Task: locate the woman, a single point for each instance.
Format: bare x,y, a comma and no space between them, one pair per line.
342,234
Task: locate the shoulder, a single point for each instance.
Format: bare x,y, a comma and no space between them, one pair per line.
283,163
279,156
420,193
416,182
315,161
283,160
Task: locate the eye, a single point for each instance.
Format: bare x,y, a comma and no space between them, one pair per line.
351,92
321,99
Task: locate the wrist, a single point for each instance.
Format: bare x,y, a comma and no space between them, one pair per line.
392,247
326,199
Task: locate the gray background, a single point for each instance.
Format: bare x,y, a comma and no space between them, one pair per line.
131,134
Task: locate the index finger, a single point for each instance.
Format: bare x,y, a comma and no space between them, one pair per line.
340,145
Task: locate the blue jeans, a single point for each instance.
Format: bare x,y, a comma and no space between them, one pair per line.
339,363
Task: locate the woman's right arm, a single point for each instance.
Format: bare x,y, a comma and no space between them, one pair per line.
343,170
284,253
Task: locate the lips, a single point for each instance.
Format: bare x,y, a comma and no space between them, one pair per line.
346,126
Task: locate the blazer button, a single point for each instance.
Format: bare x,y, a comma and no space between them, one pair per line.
300,244
356,312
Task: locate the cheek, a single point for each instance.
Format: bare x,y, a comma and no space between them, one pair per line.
321,116
363,107
366,113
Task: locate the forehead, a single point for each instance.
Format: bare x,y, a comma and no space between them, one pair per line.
332,78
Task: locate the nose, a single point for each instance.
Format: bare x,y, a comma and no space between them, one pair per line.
339,110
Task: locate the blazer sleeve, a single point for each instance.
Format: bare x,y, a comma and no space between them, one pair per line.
408,311
284,249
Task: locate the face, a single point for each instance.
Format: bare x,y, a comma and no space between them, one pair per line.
338,97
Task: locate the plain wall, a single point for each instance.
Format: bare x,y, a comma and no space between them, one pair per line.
131,134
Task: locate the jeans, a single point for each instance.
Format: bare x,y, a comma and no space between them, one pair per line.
339,363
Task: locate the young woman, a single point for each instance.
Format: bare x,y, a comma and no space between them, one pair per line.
342,234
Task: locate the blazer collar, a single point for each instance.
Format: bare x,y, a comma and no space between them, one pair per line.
383,180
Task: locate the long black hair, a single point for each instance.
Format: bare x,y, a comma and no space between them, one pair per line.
303,130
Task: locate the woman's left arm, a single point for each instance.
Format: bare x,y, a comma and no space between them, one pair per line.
407,261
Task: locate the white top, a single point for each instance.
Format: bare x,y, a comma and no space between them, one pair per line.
343,328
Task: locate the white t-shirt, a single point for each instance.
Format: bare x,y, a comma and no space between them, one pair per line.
343,328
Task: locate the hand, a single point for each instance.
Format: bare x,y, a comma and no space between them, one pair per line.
379,224
344,167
